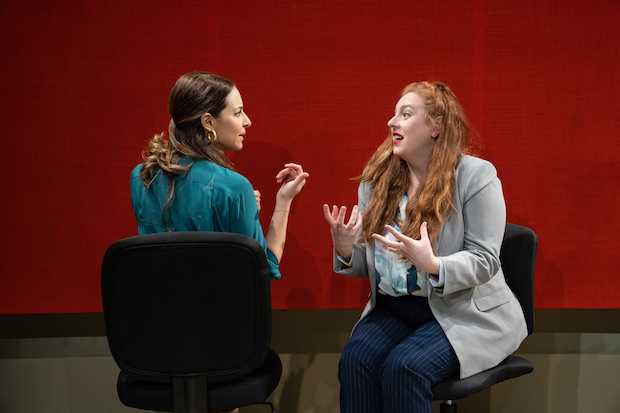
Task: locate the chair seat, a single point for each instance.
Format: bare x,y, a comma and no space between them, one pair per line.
151,394
456,388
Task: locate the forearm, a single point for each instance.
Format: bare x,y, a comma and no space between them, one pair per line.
276,234
293,178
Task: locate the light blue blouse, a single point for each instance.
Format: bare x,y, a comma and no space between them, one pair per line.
395,276
207,198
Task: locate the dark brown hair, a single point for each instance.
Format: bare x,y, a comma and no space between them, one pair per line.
193,95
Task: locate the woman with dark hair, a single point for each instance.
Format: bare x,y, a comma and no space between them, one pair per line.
186,182
433,222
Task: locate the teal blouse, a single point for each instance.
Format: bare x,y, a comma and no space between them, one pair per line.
207,198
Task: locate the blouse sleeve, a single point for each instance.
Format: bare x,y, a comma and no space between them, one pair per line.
239,214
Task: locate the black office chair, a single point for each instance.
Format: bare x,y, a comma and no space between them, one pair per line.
188,320
518,256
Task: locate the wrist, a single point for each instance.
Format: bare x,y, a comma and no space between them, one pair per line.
345,254
434,266
283,204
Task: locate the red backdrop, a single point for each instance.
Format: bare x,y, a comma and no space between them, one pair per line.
84,85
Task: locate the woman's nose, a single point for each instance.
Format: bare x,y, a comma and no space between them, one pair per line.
391,122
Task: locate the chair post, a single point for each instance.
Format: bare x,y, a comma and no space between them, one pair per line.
199,385
178,394
448,407
189,395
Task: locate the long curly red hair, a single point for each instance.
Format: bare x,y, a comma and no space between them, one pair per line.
432,202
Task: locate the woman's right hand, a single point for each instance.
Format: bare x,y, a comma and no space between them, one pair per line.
343,235
292,178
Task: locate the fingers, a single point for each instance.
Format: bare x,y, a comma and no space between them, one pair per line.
257,196
424,231
353,217
290,172
302,176
393,246
335,212
336,217
282,175
292,180
329,215
385,241
397,235
358,223
294,166
354,220
402,241
400,237
298,182
341,214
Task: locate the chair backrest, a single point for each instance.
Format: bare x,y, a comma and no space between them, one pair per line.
518,257
187,304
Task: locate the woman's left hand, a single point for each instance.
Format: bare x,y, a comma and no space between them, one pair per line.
293,178
257,196
419,252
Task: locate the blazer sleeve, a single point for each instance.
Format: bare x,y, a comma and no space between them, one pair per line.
483,214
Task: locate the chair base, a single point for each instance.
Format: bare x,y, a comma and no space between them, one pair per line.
192,395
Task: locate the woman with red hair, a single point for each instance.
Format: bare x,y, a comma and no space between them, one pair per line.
427,232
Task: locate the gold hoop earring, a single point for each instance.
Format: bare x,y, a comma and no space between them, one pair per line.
212,136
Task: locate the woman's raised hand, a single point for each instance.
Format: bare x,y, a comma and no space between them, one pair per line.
343,235
293,178
419,252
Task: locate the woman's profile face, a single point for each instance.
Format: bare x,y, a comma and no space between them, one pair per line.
230,126
411,133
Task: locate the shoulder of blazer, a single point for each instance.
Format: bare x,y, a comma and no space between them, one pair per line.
473,174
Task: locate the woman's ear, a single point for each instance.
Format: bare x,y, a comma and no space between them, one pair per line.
207,122
438,124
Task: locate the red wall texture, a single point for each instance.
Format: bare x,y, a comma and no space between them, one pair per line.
84,85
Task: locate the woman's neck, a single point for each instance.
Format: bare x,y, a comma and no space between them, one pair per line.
415,177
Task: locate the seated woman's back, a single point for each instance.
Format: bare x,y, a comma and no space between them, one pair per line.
208,197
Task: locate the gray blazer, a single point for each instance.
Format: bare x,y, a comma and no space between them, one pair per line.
475,307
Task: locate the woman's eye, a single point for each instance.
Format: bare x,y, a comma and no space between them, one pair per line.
406,115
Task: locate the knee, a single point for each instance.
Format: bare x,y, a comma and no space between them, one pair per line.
352,357
412,366
360,356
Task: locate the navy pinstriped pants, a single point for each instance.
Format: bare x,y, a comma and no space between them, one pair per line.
394,357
